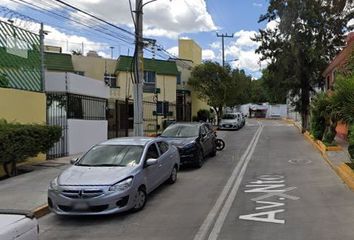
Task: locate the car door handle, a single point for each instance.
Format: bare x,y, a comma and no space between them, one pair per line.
160,165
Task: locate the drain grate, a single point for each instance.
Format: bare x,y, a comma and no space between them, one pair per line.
300,161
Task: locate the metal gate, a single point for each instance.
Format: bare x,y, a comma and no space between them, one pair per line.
57,115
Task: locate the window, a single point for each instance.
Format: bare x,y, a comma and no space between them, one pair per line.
110,80
163,147
149,77
179,78
152,152
149,82
162,108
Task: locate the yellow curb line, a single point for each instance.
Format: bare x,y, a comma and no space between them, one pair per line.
346,174
41,211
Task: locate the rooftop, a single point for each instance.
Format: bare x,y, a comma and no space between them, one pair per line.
161,67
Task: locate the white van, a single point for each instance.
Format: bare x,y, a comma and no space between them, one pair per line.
18,225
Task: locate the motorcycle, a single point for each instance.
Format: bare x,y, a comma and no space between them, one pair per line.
220,144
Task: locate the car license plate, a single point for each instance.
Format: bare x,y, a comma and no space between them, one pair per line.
227,126
80,206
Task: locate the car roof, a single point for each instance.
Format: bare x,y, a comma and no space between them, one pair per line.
188,123
138,141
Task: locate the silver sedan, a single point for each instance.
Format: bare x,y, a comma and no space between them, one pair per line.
114,176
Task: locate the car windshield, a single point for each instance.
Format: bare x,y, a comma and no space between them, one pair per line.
181,131
229,116
112,156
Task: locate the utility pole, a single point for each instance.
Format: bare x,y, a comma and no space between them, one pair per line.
41,43
111,52
222,41
138,70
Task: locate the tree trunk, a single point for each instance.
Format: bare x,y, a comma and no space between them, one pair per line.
10,168
218,113
305,102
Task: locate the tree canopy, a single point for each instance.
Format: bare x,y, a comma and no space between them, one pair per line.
308,35
221,87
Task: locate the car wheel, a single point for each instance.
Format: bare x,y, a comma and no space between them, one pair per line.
140,199
173,177
200,159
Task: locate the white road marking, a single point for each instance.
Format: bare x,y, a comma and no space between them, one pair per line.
279,194
226,208
269,205
270,217
204,229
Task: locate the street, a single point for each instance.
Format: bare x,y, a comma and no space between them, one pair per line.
268,183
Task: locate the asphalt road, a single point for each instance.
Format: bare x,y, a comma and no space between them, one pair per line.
268,183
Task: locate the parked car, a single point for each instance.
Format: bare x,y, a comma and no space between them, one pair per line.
230,121
18,225
243,119
195,141
114,176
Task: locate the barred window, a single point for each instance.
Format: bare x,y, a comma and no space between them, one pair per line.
110,80
85,107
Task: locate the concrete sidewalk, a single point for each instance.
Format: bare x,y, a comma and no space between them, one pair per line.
28,191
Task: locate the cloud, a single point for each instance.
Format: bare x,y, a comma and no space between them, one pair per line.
272,25
243,48
257,4
73,42
215,45
162,18
208,54
173,51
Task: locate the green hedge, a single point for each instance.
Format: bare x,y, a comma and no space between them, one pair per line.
351,142
20,141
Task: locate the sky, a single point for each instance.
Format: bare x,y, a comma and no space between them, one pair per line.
164,20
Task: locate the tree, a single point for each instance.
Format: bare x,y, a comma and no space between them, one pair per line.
238,89
210,81
300,47
274,88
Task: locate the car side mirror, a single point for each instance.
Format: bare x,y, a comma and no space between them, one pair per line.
151,162
73,160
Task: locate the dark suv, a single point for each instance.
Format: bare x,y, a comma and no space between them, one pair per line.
195,141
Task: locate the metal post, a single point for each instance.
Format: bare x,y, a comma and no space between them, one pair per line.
138,85
41,42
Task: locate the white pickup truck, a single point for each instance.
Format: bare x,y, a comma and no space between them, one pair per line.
18,225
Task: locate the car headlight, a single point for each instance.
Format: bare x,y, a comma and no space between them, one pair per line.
122,185
54,184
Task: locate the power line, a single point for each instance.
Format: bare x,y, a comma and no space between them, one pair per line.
91,28
59,17
97,18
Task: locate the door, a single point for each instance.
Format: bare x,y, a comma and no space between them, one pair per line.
166,160
152,173
206,139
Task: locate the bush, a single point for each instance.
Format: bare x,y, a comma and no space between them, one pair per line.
203,115
20,141
317,119
351,141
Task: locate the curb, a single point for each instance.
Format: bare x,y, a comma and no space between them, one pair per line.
41,211
346,174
